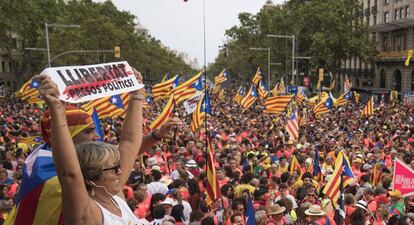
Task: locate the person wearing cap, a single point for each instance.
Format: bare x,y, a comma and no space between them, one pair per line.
168,203
192,167
356,168
317,216
276,214
397,206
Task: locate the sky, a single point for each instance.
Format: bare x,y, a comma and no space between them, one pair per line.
179,25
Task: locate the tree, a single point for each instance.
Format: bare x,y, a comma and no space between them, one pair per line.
103,26
329,31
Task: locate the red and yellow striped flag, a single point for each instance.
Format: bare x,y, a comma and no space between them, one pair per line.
369,108
213,189
342,168
249,98
109,107
277,104
164,115
221,78
187,89
295,166
163,89
257,77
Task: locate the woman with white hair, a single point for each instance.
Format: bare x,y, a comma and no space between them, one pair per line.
91,175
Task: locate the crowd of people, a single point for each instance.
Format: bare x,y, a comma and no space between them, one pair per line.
167,183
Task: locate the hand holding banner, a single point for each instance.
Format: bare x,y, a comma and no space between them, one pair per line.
84,83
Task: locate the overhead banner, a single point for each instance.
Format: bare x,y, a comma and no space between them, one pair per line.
85,83
403,178
191,104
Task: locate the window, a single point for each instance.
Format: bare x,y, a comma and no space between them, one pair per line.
374,20
386,15
397,80
369,4
396,14
368,20
407,11
386,2
385,42
3,66
10,67
382,79
401,13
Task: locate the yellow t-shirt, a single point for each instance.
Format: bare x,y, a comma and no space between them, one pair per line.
238,190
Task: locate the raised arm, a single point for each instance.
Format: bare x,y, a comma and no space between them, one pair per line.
76,203
131,133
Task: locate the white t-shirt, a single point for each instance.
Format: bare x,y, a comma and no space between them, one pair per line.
157,187
128,218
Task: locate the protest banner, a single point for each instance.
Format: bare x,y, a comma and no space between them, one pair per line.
85,83
191,104
403,178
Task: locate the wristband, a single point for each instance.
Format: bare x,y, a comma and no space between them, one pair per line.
153,135
138,97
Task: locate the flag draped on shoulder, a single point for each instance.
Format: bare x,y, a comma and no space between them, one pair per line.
257,77
187,89
249,98
323,107
163,89
239,95
221,78
213,189
292,125
199,114
164,115
109,107
277,104
342,168
262,89
369,107
39,198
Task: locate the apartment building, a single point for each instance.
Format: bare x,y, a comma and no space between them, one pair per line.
392,27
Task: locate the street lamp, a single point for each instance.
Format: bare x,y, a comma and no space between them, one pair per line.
268,61
293,49
47,25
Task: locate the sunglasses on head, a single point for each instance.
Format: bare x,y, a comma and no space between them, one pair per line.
116,168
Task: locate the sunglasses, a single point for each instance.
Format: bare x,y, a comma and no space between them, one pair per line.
115,168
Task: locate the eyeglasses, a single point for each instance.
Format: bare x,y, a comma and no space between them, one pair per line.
116,168
311,195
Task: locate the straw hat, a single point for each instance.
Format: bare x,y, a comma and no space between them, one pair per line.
276,209
315,210
362,205
191,163
396,193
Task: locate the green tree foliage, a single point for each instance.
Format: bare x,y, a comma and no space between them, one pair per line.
329,31
103,26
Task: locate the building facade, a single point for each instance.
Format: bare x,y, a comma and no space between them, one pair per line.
392,27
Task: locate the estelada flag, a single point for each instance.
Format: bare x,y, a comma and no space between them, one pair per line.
403,178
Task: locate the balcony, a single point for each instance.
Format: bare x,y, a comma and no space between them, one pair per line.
392,55
374,10
367,12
